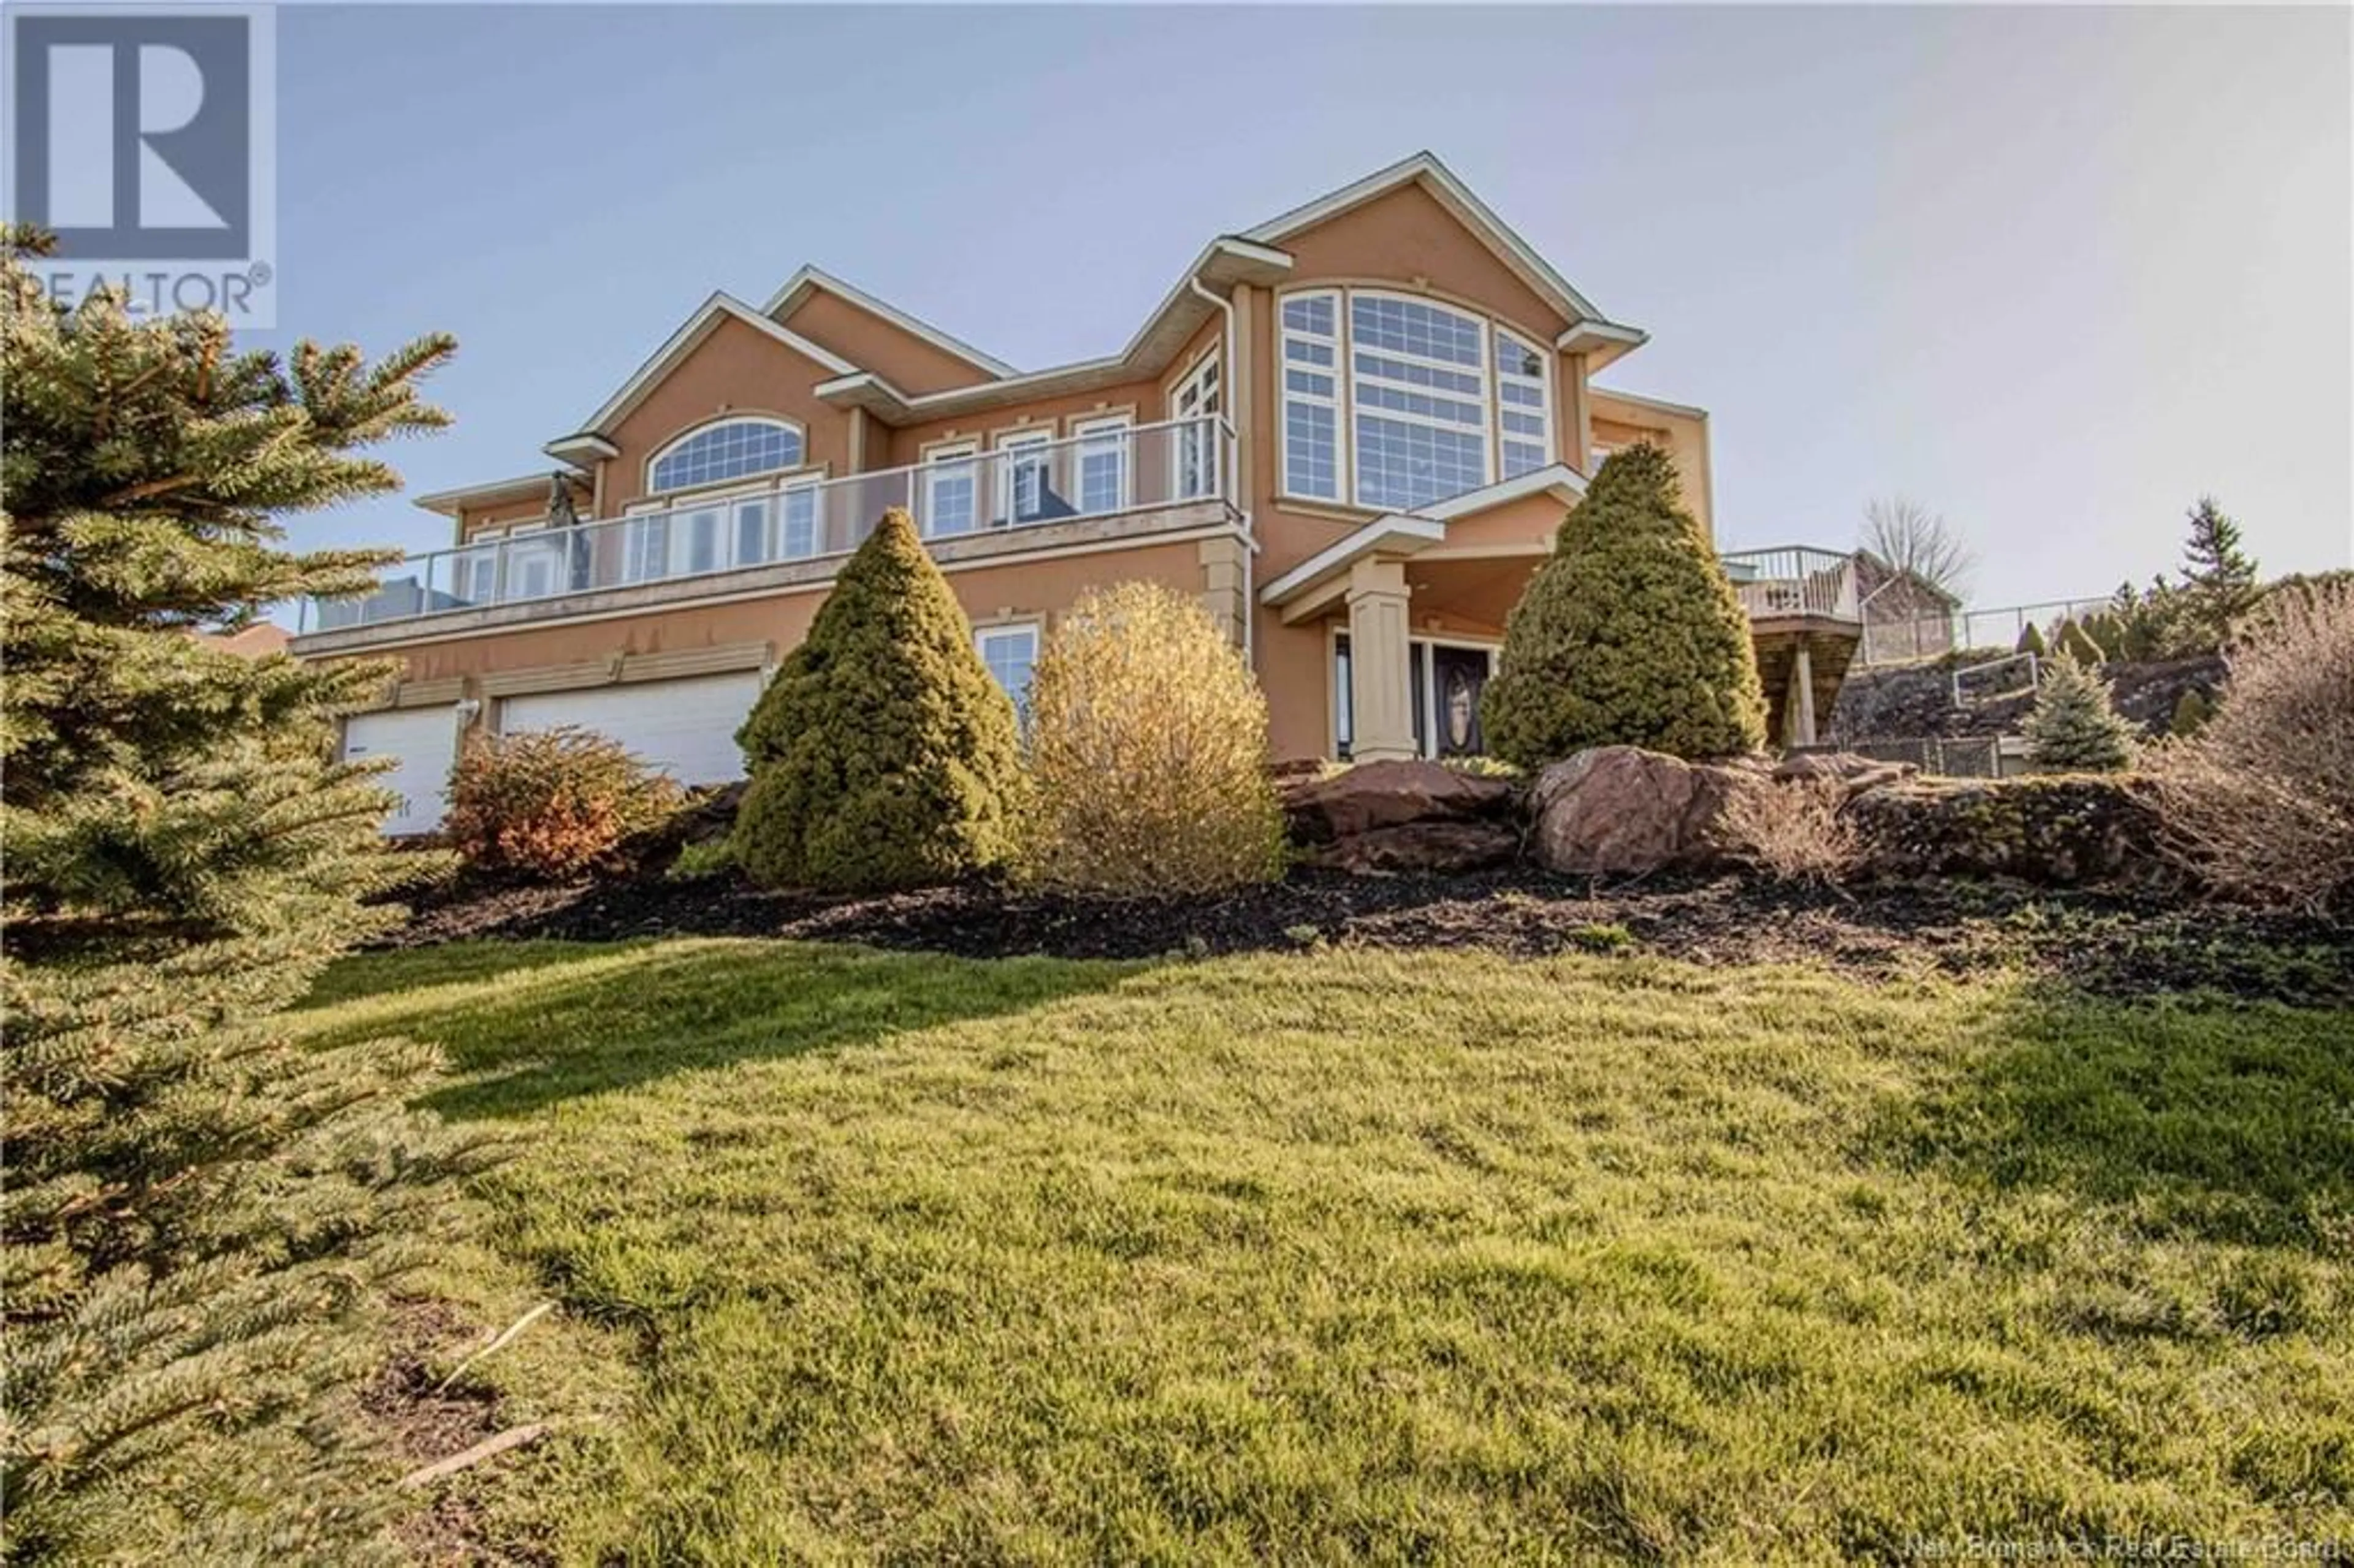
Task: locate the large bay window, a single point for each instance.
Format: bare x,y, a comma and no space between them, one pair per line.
1398,402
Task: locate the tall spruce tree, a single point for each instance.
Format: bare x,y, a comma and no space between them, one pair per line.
1628,633
198,1216
2218,577
2072,729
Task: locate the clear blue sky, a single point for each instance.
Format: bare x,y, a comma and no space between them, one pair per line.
2054,274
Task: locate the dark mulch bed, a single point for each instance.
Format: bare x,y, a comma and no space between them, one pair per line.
2111,943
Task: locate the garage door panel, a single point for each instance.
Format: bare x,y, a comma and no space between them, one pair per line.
684,728
422,743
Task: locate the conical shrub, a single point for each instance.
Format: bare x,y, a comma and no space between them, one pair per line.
1628,634
883,755
2073,729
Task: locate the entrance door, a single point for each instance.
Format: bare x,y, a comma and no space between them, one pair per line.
1458,677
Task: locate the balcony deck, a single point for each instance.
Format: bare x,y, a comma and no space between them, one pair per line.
795,532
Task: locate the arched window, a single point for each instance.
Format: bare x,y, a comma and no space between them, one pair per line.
731,449
1441,400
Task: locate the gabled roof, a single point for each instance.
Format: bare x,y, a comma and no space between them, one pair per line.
1222,264
797,289
718,308
1589,329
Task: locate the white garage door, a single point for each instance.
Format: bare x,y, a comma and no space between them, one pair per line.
423,742
686,728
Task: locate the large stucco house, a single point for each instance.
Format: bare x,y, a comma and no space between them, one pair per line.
1351,431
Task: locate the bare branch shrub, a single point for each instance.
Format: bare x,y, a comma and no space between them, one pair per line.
1147,751
1794,831
1917,541
2261,801
551,802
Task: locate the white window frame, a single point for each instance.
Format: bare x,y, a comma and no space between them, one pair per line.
965,456
1009,446
1093,432
780,547
654,460
1031,629
637,526
1200,447
529,550
1336,373
1484,399
1543,381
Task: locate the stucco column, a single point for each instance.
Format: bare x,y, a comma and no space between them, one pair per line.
1802,696
1381,696
1222,585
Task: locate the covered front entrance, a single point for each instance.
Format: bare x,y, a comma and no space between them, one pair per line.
1444,680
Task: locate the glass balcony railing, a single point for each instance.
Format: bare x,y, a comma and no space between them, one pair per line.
1108,473
1794,580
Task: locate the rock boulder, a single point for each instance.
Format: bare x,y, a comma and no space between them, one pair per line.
2068,829
1620,811
1376,795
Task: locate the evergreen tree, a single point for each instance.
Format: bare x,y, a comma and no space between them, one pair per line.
1628,633
2191,711
2218,577
197,1214
2031,640
2074,641
883,755
2073,729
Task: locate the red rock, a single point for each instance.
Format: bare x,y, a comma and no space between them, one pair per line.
1390,794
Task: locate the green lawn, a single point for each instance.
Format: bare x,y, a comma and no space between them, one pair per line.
1346,1256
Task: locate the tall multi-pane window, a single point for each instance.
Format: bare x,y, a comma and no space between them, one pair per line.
1421,392
1311,396
1011,652
1102,463
732,448
951,491
1439,401
1523,412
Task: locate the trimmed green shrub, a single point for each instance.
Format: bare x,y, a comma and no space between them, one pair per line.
883,755
2031,640
1627,634
1147,751
551,802
703,858
2073,642
2073,729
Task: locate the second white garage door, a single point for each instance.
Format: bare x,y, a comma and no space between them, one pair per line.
422,743
684,728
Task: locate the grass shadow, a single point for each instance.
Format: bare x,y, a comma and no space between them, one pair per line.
528,1024
2198,1118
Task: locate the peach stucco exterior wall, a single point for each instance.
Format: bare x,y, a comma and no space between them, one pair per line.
1685,437
872,343
734,370
501,515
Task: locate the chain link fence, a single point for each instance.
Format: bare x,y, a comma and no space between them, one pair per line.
1949,756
